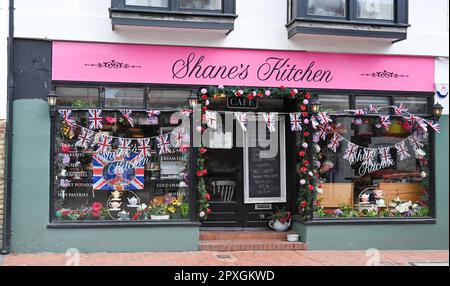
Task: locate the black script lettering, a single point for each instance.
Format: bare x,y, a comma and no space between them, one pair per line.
266,70
244,73
184,69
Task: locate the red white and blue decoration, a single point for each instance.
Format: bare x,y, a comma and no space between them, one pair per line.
111,170
127,114
95,119
351,152
402,151
242,118
104,144
178,137
211,119
296,121
163,144
271,121
67,117
124,146
84,138
335,142
144,147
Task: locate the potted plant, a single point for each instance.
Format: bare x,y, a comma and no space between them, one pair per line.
280,220
158,210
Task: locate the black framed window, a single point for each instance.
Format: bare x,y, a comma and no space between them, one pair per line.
404,189
177,6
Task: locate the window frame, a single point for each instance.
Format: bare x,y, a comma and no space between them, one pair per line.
299,9
432,217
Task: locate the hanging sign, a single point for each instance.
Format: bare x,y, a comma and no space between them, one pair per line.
242,103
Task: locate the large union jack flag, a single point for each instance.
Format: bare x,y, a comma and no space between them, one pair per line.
110,170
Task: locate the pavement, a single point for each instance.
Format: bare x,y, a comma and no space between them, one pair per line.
249,258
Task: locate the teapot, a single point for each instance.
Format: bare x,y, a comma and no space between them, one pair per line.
133,201
115,205
116,195
123,215
365,198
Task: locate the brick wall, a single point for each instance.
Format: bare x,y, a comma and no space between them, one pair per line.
2,174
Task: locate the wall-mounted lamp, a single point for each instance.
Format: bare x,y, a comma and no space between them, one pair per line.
437,111
52,98
193,100
315,105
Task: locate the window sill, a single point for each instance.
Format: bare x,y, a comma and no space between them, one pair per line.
363,29
105,224
172,19
367,221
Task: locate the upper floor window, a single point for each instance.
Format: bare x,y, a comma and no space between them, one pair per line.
148,3
201,4
376,9
333,8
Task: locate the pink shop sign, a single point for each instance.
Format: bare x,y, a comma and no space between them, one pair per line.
122,63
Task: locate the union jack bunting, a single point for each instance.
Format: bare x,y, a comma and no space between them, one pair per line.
211,119
385,156
399,110
84,138
335,142
186,112
66,113
104,144
435,126
402,151
124,146
415,141
423,124
242,119
95,119
163,144
359,112
153,113
351,152
323,118
144,148
270,119
373,108
296,122
126,113
369,155
314,123
412,118
111,170
385,121
323,131
178,137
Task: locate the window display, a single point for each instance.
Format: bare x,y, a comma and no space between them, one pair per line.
120,166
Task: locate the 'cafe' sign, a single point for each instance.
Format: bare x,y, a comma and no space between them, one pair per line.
242,103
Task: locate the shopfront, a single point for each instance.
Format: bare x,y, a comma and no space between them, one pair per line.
155,142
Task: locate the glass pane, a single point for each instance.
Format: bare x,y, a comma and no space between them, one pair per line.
333,8
150,3
334,102
168,99
363,102
373,188
417,105
90,186
376,9
124,97
201,4
78,97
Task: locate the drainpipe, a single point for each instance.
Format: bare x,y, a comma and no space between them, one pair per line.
9,137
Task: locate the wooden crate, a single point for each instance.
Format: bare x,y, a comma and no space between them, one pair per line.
405,191
336,195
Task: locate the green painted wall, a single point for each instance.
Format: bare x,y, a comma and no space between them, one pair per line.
393,236
30,200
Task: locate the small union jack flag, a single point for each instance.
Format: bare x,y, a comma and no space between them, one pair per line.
104,144
211,119
84,138
369,155
435,126
66,115
163,144
323,131
335,142
124,146
179,137
351,152
373,108
385,156
296,121
402,151
270,121
144,148
385,121
423,124
324,118
95,119
242,118
415,141
399,110
186,112
359,112
126,113
153,113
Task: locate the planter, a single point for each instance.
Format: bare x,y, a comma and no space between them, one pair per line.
160,217
293,237
279,226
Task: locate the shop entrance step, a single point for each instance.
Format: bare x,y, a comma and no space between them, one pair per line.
224,241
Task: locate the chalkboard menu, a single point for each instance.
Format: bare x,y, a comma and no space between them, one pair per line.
263,173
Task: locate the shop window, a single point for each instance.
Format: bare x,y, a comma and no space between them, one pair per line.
333,8
78,97
416,105
92,187
163,98
201,4
376,9
148,3
330,103
364,101
124,97
397,187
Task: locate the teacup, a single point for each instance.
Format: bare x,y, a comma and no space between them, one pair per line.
133,201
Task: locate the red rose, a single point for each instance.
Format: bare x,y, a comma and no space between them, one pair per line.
207,196
250,97
306,134
306,163
303,204
208,211
305,114
260,94
204,108
307,95
282,87
303,169
199,173
203,150
301,154
293,94
205,172
238,94
311,187
303,107
204,96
